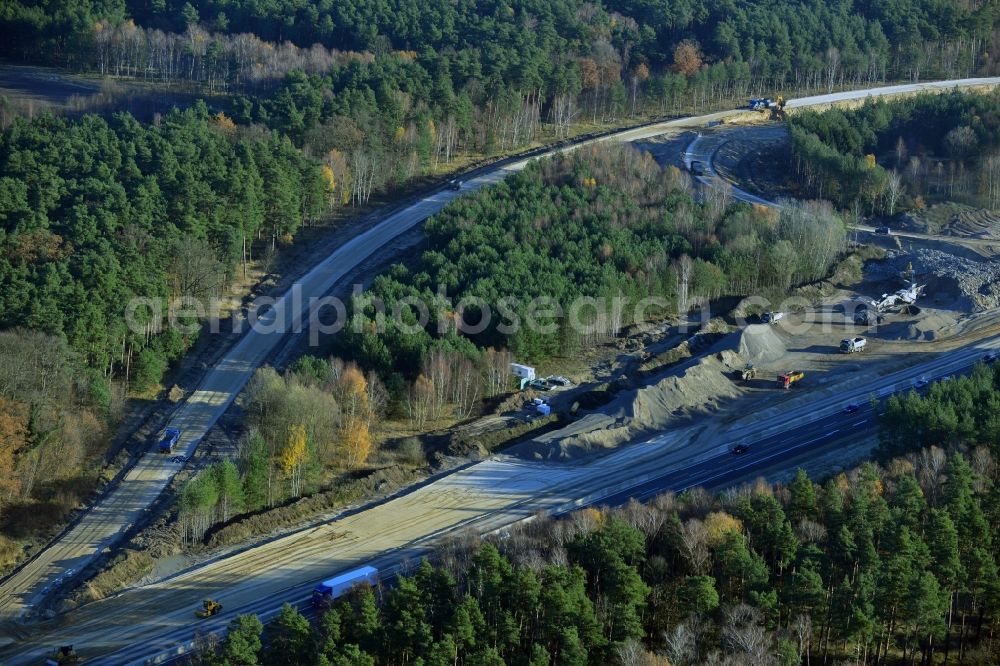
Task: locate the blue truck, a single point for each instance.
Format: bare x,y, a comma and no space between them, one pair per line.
329,590
170,437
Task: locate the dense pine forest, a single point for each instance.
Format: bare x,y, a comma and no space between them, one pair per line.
385,92
884,157
882,565
602,223
98,212
97,215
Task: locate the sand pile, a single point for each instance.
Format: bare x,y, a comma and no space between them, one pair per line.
760,344
699,385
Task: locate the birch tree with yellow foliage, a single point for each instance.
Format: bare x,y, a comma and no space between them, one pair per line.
357,442
352,394
293,455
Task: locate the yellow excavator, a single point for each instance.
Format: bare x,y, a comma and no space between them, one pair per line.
209,608
64,656
778,108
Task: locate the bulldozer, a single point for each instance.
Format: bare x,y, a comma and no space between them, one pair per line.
64,656
747,373
209,608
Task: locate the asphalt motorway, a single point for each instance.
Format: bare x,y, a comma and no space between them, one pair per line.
157,622
543,487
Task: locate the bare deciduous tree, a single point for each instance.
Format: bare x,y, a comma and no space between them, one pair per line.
810,531
832,67
744,632
420,401
683,267
802,630
682,642
930,463
497,377
893,189
694,542
195,270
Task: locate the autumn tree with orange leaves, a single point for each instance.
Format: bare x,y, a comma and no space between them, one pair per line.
352,394
687,58
13,430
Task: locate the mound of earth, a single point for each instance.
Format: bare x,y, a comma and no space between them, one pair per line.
698,385
760,344
929,327
954,219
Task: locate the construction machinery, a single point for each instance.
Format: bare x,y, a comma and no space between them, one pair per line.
64,656
865,317
772,317
209,607
778,109
906,296
851,346
747,373
786,379
765,104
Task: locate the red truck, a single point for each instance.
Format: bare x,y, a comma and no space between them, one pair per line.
786,379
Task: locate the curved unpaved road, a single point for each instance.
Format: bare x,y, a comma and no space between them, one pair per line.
106,627
706,149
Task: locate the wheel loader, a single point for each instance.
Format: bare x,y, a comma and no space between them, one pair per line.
209,608
747,373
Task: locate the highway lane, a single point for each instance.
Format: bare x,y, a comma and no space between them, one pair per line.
109,519
158,619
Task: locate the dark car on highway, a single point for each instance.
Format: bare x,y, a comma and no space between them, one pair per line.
697,168
851,408
454,184
740,449
884,230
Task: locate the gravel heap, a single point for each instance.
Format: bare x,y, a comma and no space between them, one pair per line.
979,281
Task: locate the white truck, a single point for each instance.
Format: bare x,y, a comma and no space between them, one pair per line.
849,346
771,317
329,590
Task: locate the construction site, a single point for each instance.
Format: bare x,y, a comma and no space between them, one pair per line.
677,394
900,296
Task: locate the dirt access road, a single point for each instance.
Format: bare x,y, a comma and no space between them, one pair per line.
107,521
46,86
158,619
